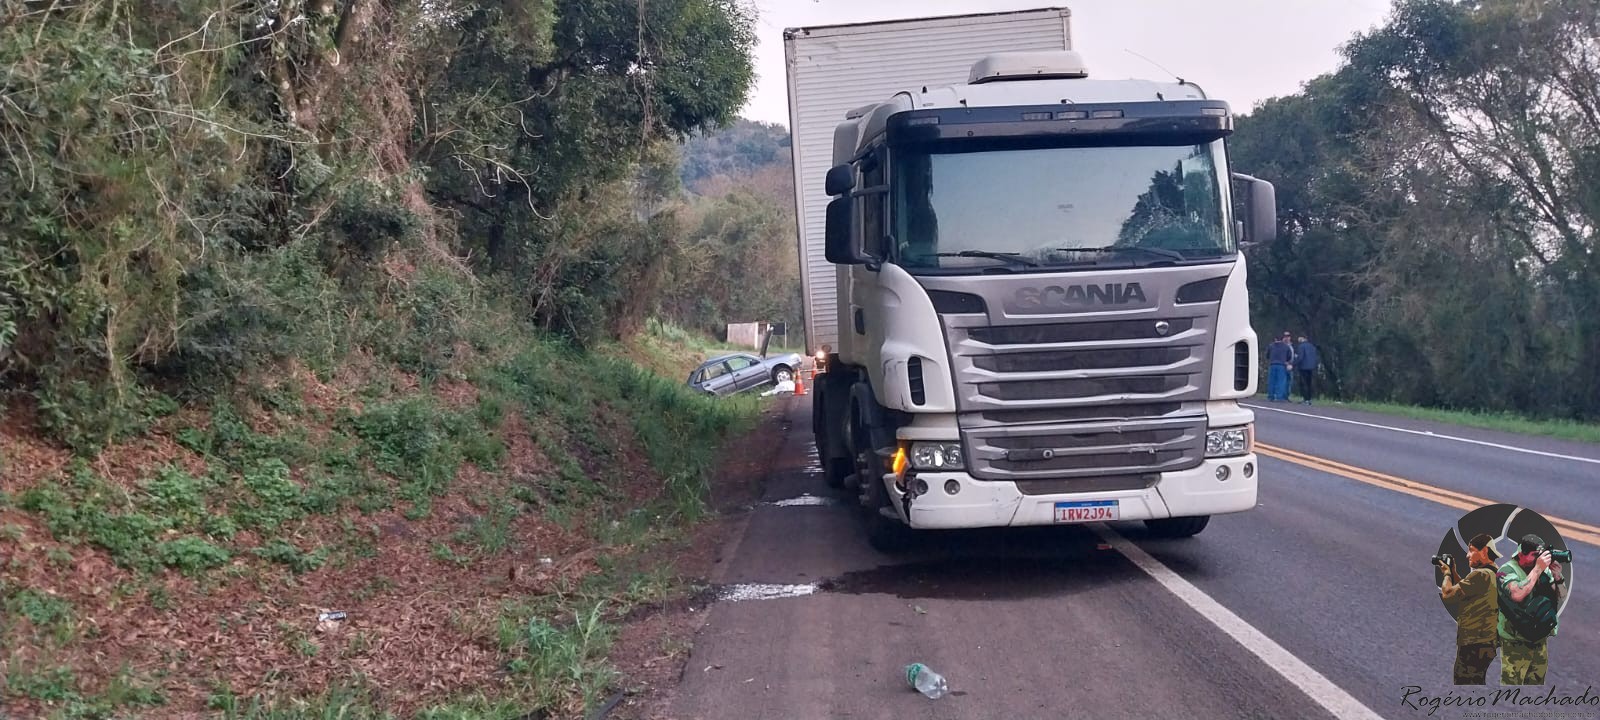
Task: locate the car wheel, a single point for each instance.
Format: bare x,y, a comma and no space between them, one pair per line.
782,375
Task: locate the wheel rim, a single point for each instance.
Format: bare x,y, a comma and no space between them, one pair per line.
784,376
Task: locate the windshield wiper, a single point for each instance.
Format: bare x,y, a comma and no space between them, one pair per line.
1125,249
1002,256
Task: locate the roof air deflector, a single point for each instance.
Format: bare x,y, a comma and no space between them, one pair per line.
1040,65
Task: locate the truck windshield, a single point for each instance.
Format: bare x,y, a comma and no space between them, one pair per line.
1060,206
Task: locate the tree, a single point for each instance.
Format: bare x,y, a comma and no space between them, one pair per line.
195,188
1509,91
1435,195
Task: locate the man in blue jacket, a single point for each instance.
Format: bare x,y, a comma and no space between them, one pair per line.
1279,356
1305,366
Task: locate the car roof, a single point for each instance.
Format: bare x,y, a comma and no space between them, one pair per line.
721,358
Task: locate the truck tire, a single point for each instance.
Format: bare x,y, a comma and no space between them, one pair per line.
1180,527
886,535
819,411
837,472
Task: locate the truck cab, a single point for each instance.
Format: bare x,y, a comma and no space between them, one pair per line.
1041,304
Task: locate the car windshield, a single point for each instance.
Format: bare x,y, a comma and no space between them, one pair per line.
1032,208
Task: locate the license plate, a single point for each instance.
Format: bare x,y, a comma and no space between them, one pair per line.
1087,511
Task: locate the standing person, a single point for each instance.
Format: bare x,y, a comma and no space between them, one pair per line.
1306,361
1530,592
1473,599
1279,356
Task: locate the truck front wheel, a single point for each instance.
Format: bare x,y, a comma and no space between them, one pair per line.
836,471
1181,527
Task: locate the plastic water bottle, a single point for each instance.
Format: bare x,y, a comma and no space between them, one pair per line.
926,681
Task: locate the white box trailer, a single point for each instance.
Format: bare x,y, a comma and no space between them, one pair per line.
836,69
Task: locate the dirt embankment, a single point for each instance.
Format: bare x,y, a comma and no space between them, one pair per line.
459,527
655,645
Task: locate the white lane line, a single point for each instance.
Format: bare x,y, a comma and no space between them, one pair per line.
1425,433
763,591
1314,684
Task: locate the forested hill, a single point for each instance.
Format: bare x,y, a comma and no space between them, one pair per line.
1440,202
744,148
740,263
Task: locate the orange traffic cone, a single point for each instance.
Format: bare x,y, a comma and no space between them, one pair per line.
799,382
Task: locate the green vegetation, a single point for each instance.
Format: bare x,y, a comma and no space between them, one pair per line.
406,452
554,659
600,421
737,262
1439,197
52,617
356,702
286,278
59,687
228,188
745,148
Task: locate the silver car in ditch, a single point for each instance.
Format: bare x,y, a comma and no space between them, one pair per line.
736,373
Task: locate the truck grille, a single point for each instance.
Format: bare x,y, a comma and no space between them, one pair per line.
1080,360
1104,483
1078,332
1084,450
1062,415
1090,392
1088,387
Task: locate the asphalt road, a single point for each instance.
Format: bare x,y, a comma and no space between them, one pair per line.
1319,603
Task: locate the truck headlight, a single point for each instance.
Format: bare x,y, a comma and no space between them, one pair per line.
937,456
1230,442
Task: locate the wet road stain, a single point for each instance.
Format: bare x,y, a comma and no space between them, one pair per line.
981,565
986,578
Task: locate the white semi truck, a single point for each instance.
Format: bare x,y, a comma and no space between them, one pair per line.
1024,285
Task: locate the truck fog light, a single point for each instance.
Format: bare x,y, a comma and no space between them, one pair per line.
1223,472
951,487
921,486
1249,470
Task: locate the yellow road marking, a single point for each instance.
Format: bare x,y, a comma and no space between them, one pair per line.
1571,530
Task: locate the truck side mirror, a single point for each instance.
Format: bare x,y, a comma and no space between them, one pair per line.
1260,209
838,243
841,180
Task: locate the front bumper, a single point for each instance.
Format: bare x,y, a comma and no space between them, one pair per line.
988,503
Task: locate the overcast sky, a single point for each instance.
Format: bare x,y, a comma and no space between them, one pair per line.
1242,51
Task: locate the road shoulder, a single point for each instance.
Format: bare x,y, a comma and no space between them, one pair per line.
653,645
